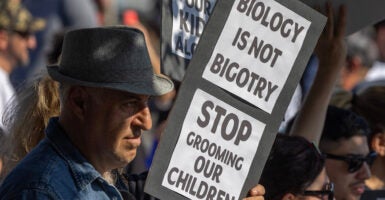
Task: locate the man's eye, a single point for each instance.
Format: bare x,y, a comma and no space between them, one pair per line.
135,104
130,104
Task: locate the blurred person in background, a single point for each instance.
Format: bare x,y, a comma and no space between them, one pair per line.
59,15
295,169
377,71
17,29
361,54
26,119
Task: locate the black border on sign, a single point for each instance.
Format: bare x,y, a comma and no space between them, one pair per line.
193,80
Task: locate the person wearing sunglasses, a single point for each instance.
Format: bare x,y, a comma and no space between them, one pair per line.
17,28
344,143
369,103
295,169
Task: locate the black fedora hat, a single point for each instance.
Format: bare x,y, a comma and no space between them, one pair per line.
112,57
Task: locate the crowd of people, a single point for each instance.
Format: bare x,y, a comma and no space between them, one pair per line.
74,119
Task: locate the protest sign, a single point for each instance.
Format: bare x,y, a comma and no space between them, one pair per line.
238,85
182,26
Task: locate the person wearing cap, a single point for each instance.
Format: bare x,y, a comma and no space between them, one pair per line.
17,28
106,79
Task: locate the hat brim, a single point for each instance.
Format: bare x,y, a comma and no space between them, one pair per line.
160,84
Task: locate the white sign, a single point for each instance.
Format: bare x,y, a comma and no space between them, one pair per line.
189,20
256,51
220,143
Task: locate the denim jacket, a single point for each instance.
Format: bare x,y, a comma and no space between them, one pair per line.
55,169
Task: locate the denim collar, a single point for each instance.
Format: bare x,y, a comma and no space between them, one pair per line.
82,171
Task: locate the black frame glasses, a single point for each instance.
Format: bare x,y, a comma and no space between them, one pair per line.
354,162
329,191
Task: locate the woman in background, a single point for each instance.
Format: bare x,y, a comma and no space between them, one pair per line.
294,170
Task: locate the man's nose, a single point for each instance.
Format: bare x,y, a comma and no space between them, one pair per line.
143,118
31,42
364,172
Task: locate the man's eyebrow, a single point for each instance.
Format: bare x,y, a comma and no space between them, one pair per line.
137,97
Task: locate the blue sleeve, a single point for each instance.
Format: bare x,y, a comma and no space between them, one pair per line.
31,194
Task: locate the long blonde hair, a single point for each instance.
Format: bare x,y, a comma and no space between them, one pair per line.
26,118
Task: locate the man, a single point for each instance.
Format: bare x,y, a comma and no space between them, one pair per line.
106,79
17,28
345,146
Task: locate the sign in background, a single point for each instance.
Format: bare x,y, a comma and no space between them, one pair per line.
238,85
189,20
183,22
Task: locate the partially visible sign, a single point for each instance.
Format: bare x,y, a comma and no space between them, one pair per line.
189,20
183,22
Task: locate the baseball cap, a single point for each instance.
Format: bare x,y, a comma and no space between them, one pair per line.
15,17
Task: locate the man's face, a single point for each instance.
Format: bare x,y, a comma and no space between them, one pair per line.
348,185
114,121
19,45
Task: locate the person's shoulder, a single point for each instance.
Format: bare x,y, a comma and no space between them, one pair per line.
38,170
133,185
27,180
362,86
373,194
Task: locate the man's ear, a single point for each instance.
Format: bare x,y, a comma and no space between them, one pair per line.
378,143
3,39
288,196
77,97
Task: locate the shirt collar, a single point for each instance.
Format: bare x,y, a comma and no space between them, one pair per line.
83,172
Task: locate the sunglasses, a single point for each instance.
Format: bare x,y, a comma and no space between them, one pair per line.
328,191
23,34
355,162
